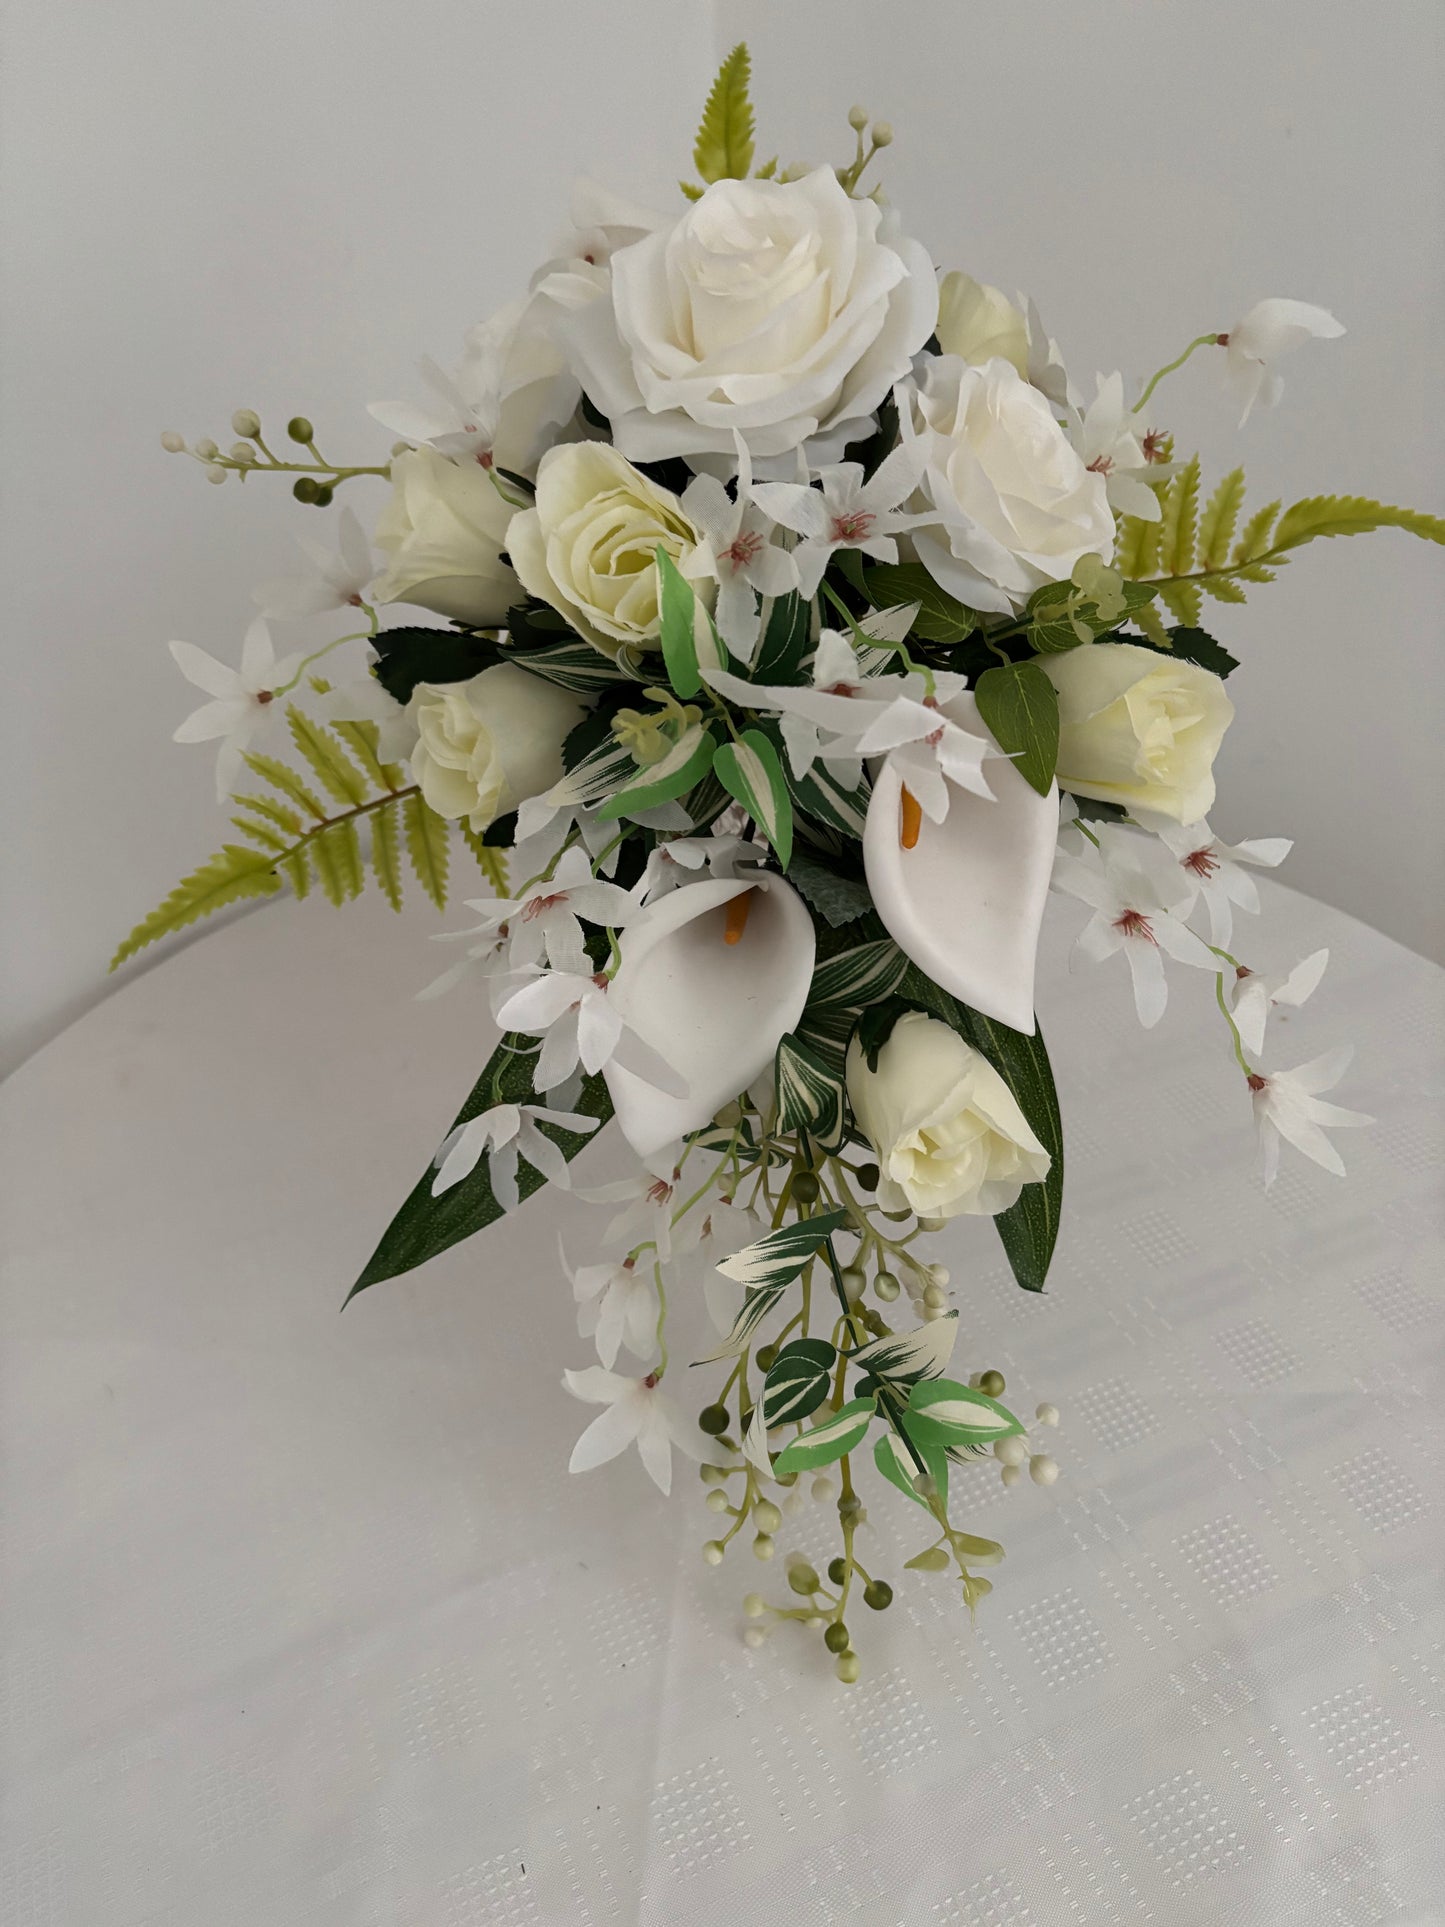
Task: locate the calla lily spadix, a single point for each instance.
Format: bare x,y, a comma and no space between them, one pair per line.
711,977
964,898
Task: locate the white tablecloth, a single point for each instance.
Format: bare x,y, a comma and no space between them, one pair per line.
308,1626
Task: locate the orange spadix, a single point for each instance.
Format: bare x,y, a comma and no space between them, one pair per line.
911,819
737,917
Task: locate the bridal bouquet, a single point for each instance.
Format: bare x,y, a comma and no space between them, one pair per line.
796,625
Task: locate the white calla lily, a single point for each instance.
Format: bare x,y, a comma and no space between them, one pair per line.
966,900
710,978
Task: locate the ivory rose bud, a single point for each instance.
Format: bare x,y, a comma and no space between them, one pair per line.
1015,505
589,546
486,745
1138,728
947,1133
977,322
782,310
445,530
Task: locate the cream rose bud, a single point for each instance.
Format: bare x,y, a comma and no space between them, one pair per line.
1138,728
783,311
486,745
947,1133
445,530
977,322
1015,505
589,546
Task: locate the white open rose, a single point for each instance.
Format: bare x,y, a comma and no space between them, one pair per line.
783,310
445,530
486,745
1138,728
589,546
1015,505
977,322
948,1135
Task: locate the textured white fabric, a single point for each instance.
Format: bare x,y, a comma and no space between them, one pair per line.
308,1626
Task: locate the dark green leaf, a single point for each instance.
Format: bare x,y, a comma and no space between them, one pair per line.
836,896
941,617
784,642
797,1381
1021,708
1196,645
409,656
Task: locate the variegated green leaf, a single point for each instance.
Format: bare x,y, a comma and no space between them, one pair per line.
833,1439
756,1305
597,776
780,1257
797,1381
810,1094
684,765
943,1412
902,1358
863,975
690,642
895,1462
751,771
573,665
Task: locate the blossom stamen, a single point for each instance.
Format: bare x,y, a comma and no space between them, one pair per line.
1133,923
852,525
1201,863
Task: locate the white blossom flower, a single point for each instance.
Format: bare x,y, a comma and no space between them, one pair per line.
617,1305
647,1198
1116,443
745,559
1139,907
544,922
1255,343
507,1132
847,512
1255,996
580,1023
1214,867
243,701
364,698
683,859
558,810
337,579
637,1413
835,671
1287,1105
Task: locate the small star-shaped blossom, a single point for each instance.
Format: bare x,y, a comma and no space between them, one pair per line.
337,579
617,1305
1214,867
681,859
637,1413
745,559
847,512
544,923
243,700
1287,1105
507,1132
648,1198
1112,442
1255,996
579,1023
1139,907
1255,343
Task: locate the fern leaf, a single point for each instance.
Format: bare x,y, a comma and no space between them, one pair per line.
1222,588
1176,533
361,739
690,191
724,147
1129,557
426,845
1183,601
273,812
287,781
297,870
386,854
1255,539
1257,572
1321,515
1152,623
491,862
264,835
337,856
233,873
335,771
1216,525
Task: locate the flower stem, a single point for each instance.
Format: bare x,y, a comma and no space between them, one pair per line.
1211,340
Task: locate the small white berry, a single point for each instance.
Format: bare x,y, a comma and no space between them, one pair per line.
940,1274
822,1489
763,1546
206,448
1010,1474
716,1501
755,1636
173,443
1042,1469
1047,1415
754,1605
712,1552
1011,1451
214,474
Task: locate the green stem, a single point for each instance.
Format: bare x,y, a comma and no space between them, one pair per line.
1210,340
1228,1015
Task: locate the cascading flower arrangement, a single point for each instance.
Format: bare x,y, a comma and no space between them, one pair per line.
802,627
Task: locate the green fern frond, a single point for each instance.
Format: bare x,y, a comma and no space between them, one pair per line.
1322,515
1176,534
1129,548
296,868
361,739
1152,623
232,874
724,146
337,856
335,771
263,834
1255,539
1216,525
1224,589
287,781
491,861
1257,572
1182,599
275,813
386,854
426,845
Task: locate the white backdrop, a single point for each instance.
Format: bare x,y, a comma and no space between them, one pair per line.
281,205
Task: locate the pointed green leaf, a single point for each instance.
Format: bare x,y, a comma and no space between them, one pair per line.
811,1095
797,1381
233,873
1324,515
1177,528
724,146
751,771
1021,708
784,643
335,771
903,1357
757,1303
386,853
426,844
941,1411
779,1258
833,1439
1216,525
1255,539
287,781
894,1460
690,641
684,766
940,618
